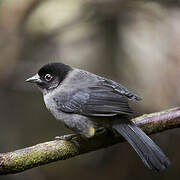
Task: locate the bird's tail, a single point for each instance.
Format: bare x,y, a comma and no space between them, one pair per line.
151,155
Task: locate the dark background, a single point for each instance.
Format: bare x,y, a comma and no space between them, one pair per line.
136,43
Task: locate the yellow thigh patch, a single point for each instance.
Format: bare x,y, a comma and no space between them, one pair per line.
91,131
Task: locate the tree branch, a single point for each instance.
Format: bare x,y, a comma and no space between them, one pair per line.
44,153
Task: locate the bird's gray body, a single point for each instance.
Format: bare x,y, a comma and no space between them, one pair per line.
79,79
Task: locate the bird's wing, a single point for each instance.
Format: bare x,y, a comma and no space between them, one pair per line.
118,88
101,99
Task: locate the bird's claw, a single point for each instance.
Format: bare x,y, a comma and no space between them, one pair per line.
69,137
66,137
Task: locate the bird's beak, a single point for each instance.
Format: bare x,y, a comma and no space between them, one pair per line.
34,79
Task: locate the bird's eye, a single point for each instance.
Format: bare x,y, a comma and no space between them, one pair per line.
48,77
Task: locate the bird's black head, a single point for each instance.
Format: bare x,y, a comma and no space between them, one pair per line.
50,75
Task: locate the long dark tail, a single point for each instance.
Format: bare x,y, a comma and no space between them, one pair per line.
151,155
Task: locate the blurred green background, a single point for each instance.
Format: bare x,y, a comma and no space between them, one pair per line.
136,43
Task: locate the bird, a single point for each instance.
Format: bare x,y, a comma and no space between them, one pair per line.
89,105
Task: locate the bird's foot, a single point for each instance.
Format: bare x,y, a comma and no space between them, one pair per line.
69,137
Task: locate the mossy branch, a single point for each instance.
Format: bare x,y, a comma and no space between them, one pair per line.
44,153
